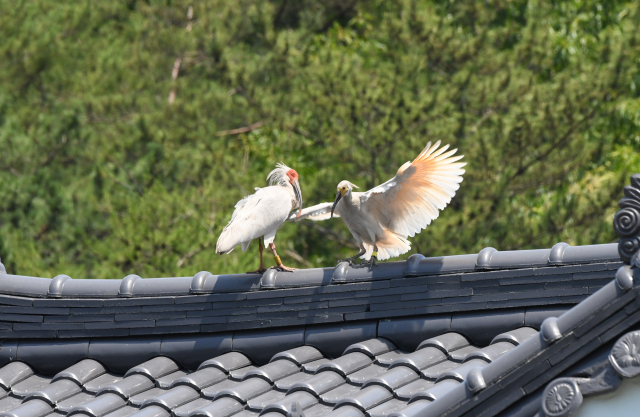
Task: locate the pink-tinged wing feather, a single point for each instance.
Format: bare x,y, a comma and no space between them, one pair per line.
408,202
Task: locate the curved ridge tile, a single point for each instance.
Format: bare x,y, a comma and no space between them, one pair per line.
34,408
406,392
94,385
152,411
213,390
166,381
13,373
460,373
346,364
245,390
285,384
173,398
27,386
420,359
303,398
343,391
274,371
319,384
416,408
201,379
367,398
516,336
366,373
372,347
82,372
56,391
394,378
345,411
491,352
184,410
460,355
100,406
227,362
223,407
127,387
436,391
154,368
299,355
446,342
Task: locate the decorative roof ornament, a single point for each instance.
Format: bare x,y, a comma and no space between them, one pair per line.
626,223
561,398
625,355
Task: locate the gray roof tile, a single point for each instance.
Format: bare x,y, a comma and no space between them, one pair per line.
372,347
384,368
129,386
173,398
153,411
13,373
29,385
394,378
201,379
367,397
299,355
99,406
222,407
213,390
364,374
386,408
139,399
274,371
407,391
82,372
56,391
286,383
446,342
319,383
461,354
258,403
80,398
245,390
420,359
94,385
347,364
227,362
33,408
154,368
345,390
185,409
125,411
166,381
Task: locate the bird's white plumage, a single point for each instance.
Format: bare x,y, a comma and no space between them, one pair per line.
260,214
386,215
318,212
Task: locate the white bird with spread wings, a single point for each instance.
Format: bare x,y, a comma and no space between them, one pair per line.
382,218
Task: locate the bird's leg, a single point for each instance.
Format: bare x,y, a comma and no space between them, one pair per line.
279,264
353,258
374,258
262,269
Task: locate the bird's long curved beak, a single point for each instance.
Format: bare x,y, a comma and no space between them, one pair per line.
298,193
335,203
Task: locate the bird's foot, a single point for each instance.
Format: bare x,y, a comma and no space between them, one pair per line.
372,262
261,270
351,260
284,268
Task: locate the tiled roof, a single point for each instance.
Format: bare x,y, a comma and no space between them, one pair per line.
373,376
66,308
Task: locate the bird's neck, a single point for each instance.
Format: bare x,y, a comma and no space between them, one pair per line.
294,201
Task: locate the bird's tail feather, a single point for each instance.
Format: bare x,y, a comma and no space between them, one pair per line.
390,246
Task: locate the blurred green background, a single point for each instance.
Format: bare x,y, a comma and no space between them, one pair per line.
128,130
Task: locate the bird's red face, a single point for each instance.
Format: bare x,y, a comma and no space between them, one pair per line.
293,175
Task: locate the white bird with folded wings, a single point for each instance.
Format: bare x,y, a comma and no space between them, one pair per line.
382,218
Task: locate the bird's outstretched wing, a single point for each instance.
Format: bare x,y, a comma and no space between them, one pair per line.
318,212
408,202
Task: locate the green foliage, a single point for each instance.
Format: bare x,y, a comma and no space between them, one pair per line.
102,176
